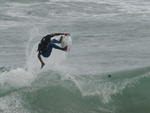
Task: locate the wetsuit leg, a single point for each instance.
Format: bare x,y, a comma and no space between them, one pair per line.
56,41
47,53
57,47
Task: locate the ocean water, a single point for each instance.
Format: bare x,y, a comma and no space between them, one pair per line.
106,71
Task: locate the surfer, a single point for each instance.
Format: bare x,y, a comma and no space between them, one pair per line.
46,45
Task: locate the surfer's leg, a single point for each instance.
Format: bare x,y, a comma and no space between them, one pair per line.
60,48
57,41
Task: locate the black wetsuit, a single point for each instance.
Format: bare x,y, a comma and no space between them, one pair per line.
46,45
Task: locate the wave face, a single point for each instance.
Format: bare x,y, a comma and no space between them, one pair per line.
106,71
52,92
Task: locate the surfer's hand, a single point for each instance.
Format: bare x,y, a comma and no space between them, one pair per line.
66,34
42,65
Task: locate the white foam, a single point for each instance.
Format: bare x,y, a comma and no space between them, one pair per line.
16,78
12,104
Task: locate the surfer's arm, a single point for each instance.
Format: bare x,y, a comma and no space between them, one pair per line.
40,59
57,34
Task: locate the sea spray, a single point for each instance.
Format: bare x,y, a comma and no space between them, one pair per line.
31,50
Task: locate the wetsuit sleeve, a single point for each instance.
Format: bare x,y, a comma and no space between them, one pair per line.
57,47
39,48
56,41
56,34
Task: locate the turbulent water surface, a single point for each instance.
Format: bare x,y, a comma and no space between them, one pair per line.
106,71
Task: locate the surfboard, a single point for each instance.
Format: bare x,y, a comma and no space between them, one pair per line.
66,41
